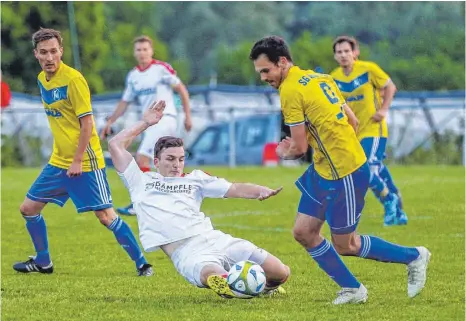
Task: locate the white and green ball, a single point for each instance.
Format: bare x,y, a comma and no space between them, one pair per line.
246,279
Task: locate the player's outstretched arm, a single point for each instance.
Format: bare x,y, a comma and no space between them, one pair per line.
251,191
118,145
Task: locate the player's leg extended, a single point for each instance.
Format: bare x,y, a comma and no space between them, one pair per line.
48,187
90,192
377,185
307,232
347,242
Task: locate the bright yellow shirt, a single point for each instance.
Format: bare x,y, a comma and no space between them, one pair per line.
313,99
66,98
361,89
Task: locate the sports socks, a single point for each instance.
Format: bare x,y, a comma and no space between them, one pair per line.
38,232
126,239
375,248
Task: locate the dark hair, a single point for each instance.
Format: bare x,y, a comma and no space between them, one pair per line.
353,42
166,142
273,47
45,34
142,39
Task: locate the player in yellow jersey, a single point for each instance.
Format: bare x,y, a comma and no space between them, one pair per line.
335,184
361,83
76,168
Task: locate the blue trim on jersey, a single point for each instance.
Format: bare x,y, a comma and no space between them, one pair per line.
357,82
53,95
294,124
85,114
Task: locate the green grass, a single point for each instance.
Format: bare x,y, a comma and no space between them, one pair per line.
94,280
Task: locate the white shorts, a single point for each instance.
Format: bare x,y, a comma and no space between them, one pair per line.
213,247
167,126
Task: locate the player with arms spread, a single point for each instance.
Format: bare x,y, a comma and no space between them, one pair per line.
167,205
76,168
151,80
361,82
335,184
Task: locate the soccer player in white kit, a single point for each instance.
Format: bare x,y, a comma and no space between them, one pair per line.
151,80
167,205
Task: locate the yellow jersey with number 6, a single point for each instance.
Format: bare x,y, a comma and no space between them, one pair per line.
314,99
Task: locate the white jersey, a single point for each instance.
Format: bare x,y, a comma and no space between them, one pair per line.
156,82
169,208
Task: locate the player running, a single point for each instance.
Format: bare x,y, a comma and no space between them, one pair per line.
151,80
76,168
335,184
361,83
167,205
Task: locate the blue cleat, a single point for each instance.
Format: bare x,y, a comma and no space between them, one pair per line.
390,204
128,210
31,266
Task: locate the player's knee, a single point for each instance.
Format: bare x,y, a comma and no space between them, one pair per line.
305,236
346,248
28,209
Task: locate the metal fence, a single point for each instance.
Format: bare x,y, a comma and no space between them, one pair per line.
415,119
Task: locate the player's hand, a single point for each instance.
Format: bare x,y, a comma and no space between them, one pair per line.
188,124
379,115
76,169
154,113
107,130
267,192
283,147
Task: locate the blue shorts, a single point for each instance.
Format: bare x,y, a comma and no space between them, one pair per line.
339,202
89,191
374,148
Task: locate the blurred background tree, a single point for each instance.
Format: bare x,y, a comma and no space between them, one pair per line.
420,44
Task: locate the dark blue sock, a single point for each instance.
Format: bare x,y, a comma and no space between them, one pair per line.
375,248
126,238
329,261
38,231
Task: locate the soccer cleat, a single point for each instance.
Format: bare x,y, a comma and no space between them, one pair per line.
351,295
128,210
219,285
401,217
417,272
31,266
390,204
145,270
268,293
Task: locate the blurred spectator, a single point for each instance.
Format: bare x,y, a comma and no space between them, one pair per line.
6,93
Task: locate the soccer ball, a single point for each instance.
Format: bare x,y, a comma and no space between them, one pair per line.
246,279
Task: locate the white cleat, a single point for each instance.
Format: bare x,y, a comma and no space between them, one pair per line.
417,272
351,295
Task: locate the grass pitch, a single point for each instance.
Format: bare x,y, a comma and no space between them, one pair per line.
95,280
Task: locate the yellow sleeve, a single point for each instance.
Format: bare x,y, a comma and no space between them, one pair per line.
379,78
292,103
80,97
